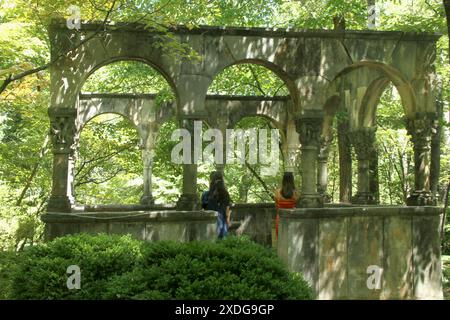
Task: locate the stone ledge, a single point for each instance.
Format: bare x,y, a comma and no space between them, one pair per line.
60,24
306,213
254,205
136,216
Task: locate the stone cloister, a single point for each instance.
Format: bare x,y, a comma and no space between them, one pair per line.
327,73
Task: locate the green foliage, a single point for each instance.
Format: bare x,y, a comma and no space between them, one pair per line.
248,79
23,106
446,276
41,272
140,79
109,166
8,262
114,267
446,239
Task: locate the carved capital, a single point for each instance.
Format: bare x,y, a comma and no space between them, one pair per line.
63,129
363,140
309,128
421,128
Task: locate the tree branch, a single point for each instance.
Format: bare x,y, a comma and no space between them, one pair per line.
12,78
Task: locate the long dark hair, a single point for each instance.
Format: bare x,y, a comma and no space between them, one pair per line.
217,189
288,186
213,177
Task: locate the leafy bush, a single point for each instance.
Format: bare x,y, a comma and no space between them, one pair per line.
8,261
41,273
118,267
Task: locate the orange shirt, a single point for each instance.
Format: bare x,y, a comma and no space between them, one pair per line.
283,203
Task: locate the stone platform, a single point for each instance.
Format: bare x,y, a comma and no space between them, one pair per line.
334,247
183,226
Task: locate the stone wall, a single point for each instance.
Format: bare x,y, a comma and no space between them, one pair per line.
333,248
181,226
255,221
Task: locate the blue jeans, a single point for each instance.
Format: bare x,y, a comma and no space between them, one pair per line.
222,227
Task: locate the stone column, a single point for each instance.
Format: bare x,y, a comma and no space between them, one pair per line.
290,147
63,132
147,159
363,141
421,129
322,171
222,125
309,127
147,146
188,199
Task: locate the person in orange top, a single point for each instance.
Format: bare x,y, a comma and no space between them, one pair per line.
285,197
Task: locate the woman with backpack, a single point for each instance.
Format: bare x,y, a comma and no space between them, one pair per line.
218,199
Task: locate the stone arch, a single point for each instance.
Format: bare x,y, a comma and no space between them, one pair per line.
391,74
123,115
73,80
370,101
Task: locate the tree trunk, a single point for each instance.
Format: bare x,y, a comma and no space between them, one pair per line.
447,14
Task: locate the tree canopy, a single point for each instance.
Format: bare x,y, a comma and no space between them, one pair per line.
109,166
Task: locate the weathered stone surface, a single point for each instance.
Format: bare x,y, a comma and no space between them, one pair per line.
334,247
397,255
427,268
365,248
143,225
135,229
332,257
302,254
255,221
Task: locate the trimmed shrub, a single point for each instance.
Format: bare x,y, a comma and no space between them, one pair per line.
8,261
41,273
118,267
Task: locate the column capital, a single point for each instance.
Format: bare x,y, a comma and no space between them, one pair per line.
63,129
421,127
309,127
363,140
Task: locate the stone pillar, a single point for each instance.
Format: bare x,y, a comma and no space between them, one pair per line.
290,147
363,141
148,142
147,159
63,132
322,171
222,124
309,127
421,129
189,199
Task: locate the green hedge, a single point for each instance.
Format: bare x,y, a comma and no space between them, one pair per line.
118,267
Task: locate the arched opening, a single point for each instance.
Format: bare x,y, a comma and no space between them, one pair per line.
373,114
142,95
167,176
128,77
248,79
253,180
108,168
395,163
250,96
